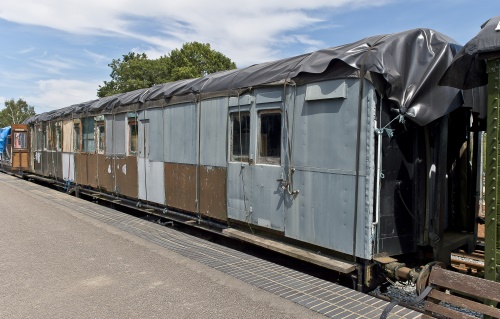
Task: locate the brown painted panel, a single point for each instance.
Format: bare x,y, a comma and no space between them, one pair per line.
91,169
126,176
105,173
80,172
213,192
86,169
180,186
16,160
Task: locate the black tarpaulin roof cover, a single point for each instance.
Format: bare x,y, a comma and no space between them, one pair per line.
468,68
404,67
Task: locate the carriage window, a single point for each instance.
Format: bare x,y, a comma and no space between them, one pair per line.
240,136
101,137
44,137
269,142
39,138
58,137
132,137
88,135
76,137
20,140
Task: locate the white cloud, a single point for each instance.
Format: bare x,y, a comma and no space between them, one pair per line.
98,58
54,65
27,50
55,94
247,32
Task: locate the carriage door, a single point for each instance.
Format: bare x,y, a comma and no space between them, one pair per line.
255,160
19,137
150,170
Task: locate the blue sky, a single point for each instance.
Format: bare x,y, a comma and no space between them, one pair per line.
55,53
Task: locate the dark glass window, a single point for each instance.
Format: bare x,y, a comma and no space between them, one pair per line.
133,137
20,140
88,141
76,137
240,136
101,137
59,137
269,142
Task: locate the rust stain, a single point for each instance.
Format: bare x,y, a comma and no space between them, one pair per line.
105,179
86,169
213,192
126,176
180,186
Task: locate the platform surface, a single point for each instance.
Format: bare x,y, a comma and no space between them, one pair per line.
63,257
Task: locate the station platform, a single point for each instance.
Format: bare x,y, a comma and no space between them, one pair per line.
63,257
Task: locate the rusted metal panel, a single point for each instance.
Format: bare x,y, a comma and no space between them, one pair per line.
126,176
213,132
105,173
91,168
86,169
180,186
181,138
213,192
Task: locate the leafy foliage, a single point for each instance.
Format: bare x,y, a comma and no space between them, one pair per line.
136,71
195,60
15,112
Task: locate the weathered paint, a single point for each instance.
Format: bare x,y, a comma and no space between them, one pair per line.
180,186
105,173
68,166
323,212
116,135
46,164
151,181
213,132
213,192
37,162
180,139
126,176
67,131
156,135
86,169
58,165
254,194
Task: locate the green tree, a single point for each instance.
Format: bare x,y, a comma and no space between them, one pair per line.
135,71
15,112
196,59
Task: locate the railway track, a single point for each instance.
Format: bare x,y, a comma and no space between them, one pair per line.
468,263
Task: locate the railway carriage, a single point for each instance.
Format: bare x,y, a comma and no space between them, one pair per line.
352,151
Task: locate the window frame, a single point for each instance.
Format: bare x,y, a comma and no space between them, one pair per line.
244,158
14,146
77,137
269,160
132,121
100,124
